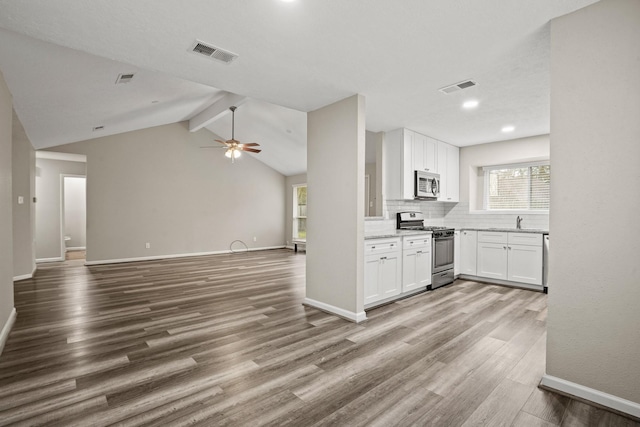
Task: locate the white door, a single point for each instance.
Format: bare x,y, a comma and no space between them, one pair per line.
468,252
409,280
423,268
390,275
371,280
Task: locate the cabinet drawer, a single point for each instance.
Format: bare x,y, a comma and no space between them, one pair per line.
373,247
492,237
531,239
410,242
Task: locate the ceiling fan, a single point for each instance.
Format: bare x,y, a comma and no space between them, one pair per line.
233,146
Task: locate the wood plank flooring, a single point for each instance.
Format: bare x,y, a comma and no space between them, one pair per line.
224,340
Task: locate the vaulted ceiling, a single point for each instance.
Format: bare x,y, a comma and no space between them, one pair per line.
61,60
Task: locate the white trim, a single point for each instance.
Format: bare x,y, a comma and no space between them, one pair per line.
41,260
502,282
509,212
77,248
22,277
331,309
596,396
54,155
4,335
516,165
157,257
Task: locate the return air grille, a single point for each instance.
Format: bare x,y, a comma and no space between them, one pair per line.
210,51
124,78
458,86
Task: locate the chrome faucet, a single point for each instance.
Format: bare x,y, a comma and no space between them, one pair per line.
519,223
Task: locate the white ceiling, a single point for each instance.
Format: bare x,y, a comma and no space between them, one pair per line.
61,59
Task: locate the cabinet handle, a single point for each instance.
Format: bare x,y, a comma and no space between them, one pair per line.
448,198
383,258
373,247
509,247
504,247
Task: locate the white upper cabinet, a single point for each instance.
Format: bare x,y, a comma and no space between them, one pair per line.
405,151
425,153
449,169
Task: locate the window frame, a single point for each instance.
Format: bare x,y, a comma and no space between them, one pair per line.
294,208
485,197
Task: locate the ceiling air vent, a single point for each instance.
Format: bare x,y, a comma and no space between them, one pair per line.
210,51
124,78
458,86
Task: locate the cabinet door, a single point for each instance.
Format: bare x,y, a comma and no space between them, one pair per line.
468,252
492,260
525,264
423,268
431,155
409,260
390,275
371,279
419,153
453,174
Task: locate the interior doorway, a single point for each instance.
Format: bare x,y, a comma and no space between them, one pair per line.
74,216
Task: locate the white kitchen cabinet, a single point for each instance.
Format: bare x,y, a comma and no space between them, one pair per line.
515,257
416,262
425,153
397,158
468,252
492,260
449,170
405,151
525,258
382,272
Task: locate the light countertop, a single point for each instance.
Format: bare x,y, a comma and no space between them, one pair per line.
386,234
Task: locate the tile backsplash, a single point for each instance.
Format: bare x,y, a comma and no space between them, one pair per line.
455,215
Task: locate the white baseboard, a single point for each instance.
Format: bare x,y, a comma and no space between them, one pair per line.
42,260
603,399
4,335
22,277
158,257
345,314
77,248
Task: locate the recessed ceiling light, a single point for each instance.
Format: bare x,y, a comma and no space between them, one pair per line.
468,105
507,129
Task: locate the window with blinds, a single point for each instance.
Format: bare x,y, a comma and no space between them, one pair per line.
517,187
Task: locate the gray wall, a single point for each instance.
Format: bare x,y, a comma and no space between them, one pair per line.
593,335
335,208
49,244
24,161
290,181
6,207
157,185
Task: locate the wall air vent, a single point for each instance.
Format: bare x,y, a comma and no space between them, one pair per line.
98,128
210,51
124,78
458,86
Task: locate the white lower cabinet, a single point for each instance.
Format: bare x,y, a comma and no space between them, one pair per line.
468,252
416,262
492,260
514,257
383,269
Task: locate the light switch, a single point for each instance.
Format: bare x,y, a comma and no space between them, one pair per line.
20,200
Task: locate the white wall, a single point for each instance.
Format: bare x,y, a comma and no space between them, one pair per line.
593,323
6,211
75,211
23,167
157,185
335,209
49,243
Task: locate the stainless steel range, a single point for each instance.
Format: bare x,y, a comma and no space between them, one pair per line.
442,248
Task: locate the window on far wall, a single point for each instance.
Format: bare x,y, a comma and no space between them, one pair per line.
517,187
300,211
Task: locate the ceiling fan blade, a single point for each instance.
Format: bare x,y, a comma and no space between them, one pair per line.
213,146
251,150
250,144
223,142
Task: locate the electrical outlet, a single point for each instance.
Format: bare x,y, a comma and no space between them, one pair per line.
20,200
147,245
255,239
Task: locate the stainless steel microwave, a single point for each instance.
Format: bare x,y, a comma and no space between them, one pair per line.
426,185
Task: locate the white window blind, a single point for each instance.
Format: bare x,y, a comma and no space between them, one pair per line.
517,187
